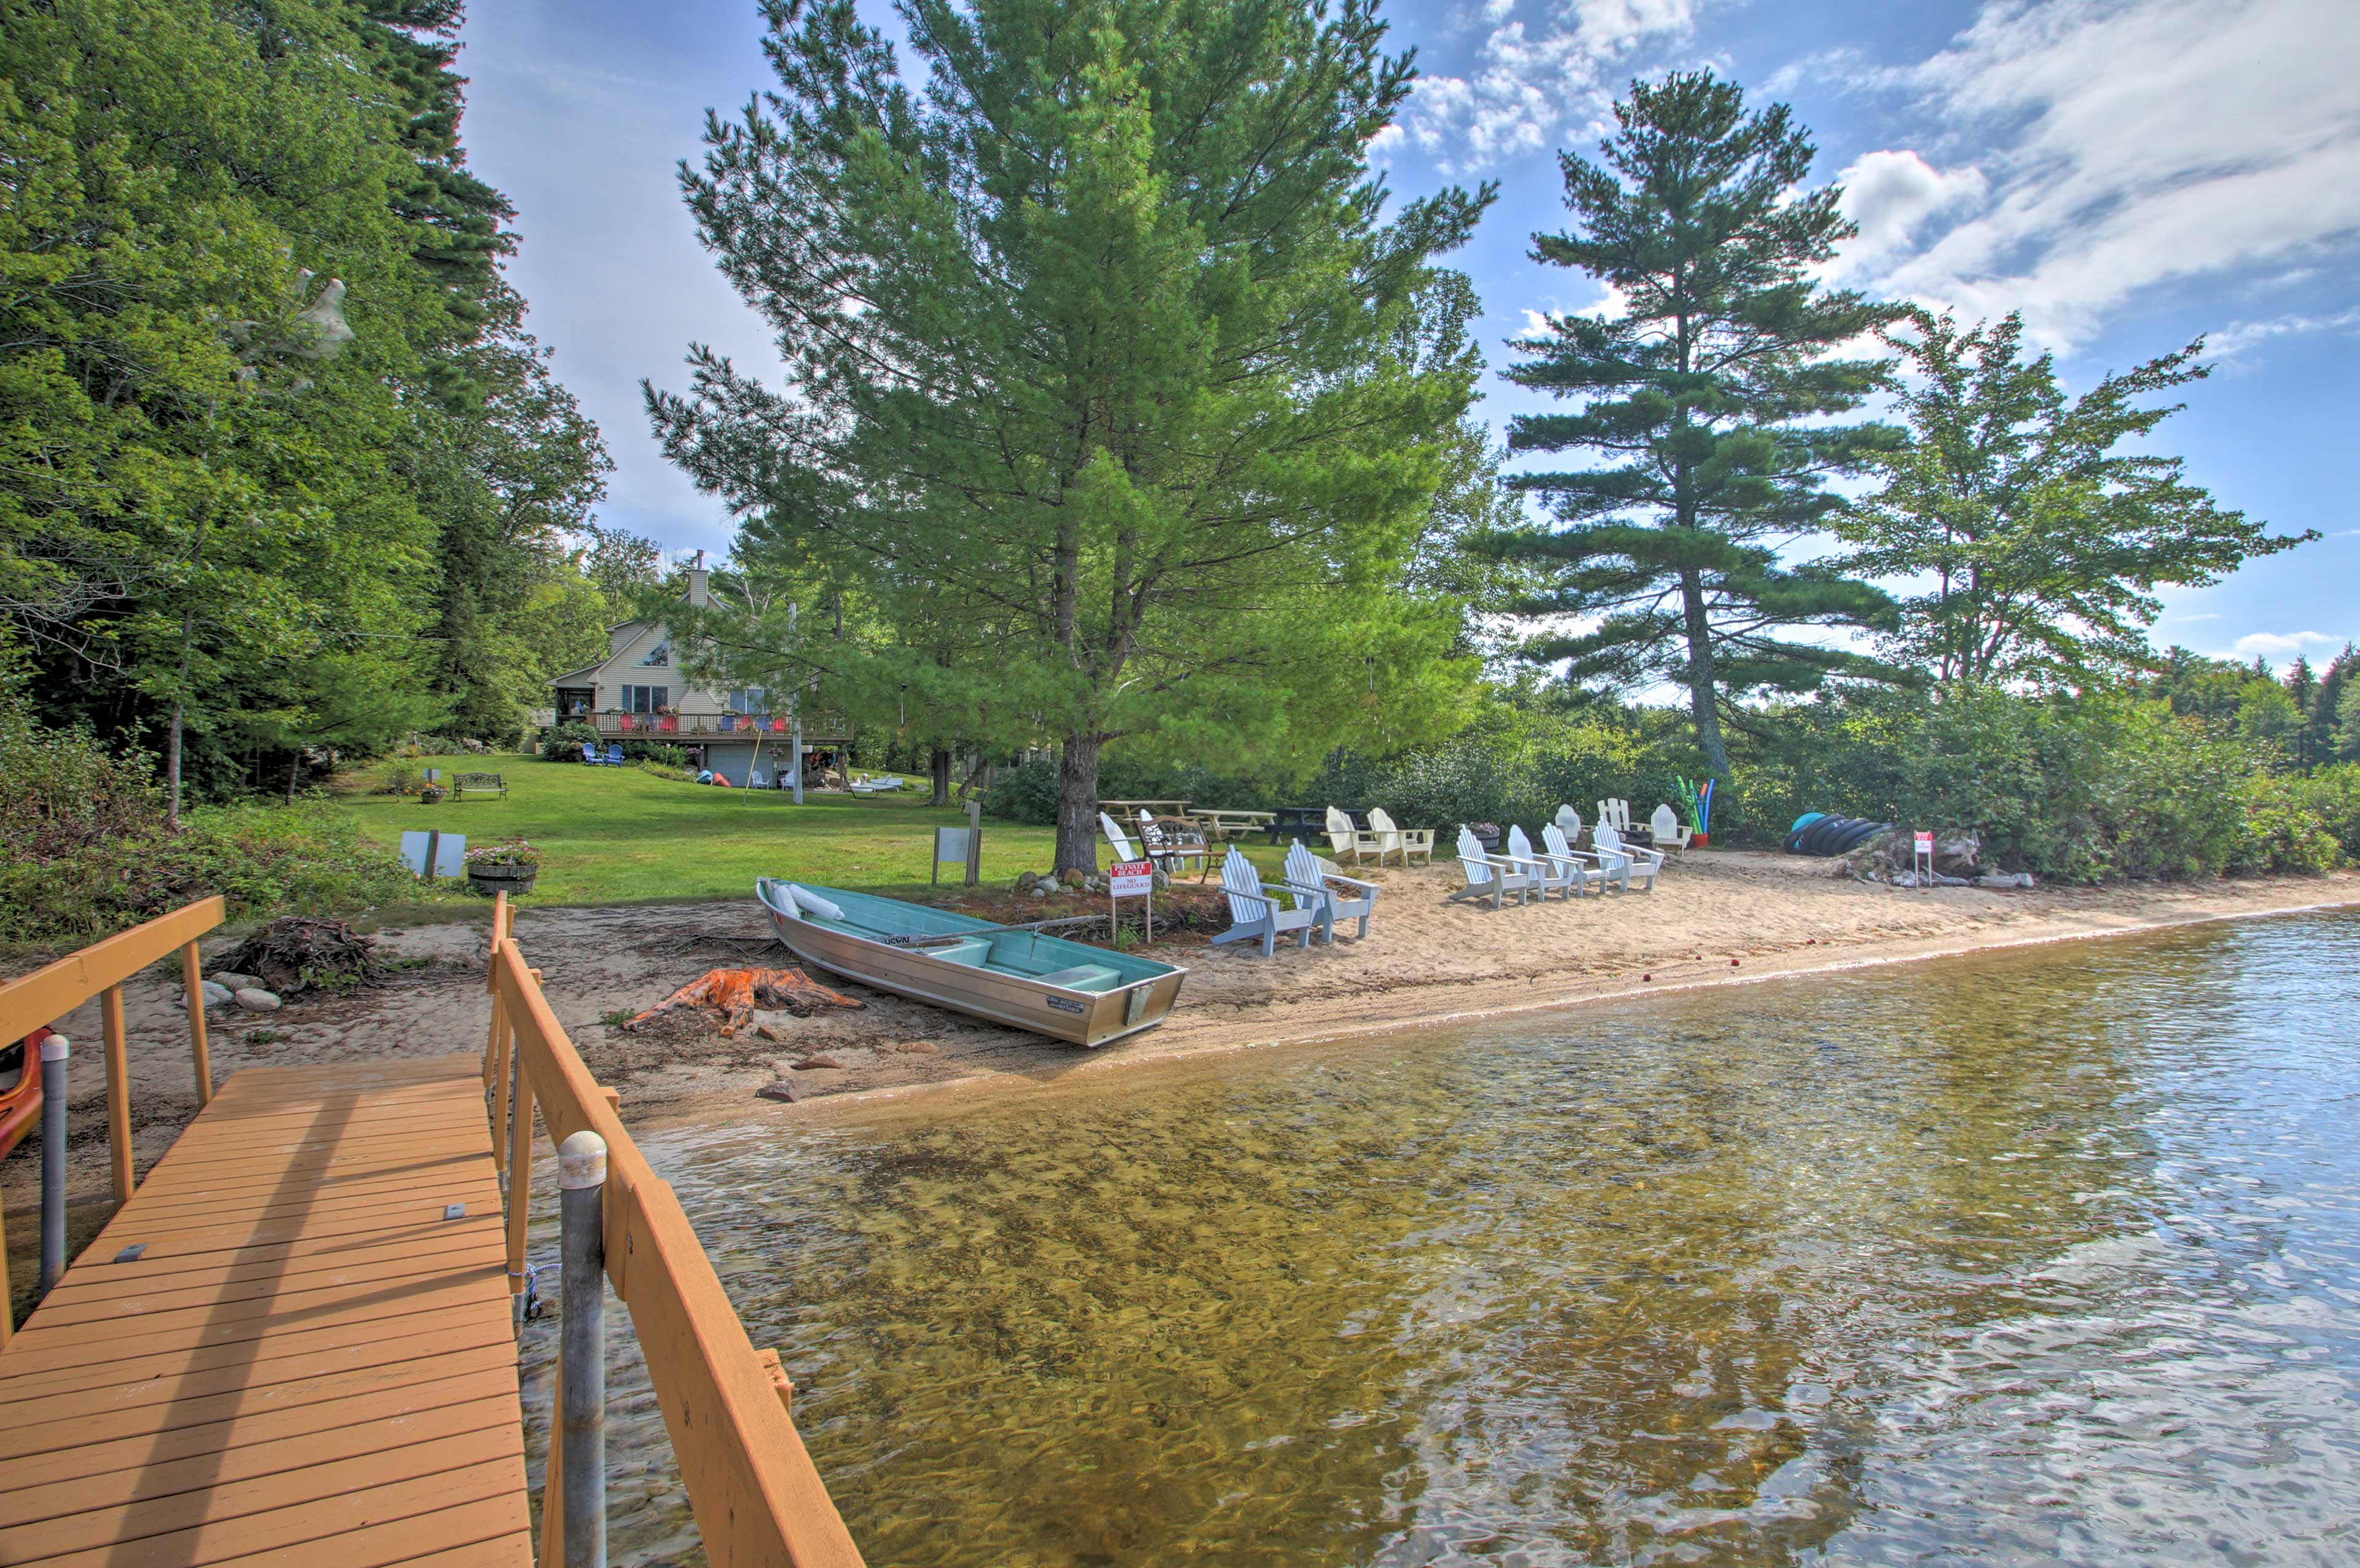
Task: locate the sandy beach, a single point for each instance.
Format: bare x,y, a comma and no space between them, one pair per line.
1426,960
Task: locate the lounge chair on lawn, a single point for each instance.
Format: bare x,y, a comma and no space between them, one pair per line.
1255,916
1174,842
1671,833
614,753
1488,877
1549,874
1350,840
590,758
1588,876
1633,861
1347,897
1406,841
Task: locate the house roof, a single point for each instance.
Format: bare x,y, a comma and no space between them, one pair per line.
573,677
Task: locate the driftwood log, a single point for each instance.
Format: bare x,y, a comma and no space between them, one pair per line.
733,994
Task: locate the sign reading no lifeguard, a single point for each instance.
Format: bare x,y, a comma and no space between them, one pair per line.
1926,844
1131,878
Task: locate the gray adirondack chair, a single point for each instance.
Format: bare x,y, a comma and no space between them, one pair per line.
1642,864
1569,821
1549,874
1255,916
1671,833
1486,875
1588,876
1303,870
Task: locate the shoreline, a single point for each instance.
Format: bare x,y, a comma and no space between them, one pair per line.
1428,962
1144,1051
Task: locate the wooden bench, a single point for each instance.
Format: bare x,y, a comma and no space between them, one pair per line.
479,782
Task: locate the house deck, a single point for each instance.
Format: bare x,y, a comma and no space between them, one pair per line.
307,1362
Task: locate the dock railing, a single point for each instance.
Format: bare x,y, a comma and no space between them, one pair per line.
50,991
756,1496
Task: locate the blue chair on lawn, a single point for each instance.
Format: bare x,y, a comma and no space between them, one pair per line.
590,758
614,753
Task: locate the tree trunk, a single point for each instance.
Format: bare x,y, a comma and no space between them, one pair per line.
938,765
1078,805
1700,681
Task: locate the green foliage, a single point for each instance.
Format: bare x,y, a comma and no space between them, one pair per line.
62,790
2285,829
2332,795
2045,544
1712,397
1144,420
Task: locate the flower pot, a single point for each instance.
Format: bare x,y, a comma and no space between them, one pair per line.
430,796
1697,841
511,880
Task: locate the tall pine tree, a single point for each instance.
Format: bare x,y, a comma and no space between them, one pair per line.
1101,359
1709,390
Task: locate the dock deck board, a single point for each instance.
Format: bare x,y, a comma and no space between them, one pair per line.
308,1364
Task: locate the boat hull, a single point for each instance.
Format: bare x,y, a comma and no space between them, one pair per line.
1020,1001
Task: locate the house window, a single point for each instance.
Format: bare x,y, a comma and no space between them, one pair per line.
645,698
748,701
658,656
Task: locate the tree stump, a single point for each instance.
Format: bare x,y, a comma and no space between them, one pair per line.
733,994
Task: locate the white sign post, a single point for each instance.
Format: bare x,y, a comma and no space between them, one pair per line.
1924,852
1131,879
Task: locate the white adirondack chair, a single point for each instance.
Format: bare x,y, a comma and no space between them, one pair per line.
1671,833
1349,840
1615,814
1407,841
1569,820
1488,877
1642,864
1255,916
1165,842
1587,875
1549,874
1303,870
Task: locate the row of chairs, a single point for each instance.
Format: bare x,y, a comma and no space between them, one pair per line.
1558,868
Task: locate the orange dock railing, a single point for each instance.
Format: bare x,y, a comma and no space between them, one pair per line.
756,1496
50,992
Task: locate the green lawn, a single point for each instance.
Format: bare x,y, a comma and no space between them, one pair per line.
616,835
613,835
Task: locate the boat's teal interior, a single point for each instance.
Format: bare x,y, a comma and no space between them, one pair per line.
1053,960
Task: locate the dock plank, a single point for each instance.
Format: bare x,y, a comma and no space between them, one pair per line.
307,1363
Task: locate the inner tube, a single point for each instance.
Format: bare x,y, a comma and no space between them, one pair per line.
1817,833
1821,833
1795,833
1857,835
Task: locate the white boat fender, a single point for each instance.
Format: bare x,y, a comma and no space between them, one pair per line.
813,903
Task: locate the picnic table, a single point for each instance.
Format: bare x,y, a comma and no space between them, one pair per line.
1310,821
1222,827
1120,810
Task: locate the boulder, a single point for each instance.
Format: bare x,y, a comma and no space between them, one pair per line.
1027,880
1161,881
230,980
785,1089
1039,891
254,999
2021,879
215,995
823,1060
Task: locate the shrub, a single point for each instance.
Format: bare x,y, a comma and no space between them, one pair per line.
2333,795
2282,831
563,742
60,790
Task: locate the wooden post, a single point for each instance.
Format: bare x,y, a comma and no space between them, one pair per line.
118,1090
192,981
8,1284
973,842
497,1048
582,1350
433,852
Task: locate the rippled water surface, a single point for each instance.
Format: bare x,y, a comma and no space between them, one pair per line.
2043,1257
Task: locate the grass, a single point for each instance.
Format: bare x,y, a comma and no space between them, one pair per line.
618,836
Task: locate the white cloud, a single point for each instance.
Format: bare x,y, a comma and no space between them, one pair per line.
1385,142
1890,195
1526,91
2146,141
2283,643
2237,338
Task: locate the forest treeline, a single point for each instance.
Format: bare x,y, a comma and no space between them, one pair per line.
282,471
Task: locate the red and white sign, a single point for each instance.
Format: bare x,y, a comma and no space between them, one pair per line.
1132,879
1925,844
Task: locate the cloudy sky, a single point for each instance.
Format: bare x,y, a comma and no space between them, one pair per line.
2129,173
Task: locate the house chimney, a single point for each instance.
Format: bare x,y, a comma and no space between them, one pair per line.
699,595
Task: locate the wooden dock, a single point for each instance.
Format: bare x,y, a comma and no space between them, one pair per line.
305,1361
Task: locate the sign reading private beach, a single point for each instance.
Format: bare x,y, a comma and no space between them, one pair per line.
1131,878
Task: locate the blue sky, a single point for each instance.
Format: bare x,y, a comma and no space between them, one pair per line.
2129,173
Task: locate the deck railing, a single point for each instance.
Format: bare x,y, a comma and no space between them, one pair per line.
820,728
50,992
756,1496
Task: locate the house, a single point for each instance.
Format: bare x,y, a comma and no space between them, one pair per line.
635,693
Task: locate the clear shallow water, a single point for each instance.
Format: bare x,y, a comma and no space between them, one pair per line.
2044,1257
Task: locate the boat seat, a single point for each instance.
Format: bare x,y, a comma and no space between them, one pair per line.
971,951
1084,977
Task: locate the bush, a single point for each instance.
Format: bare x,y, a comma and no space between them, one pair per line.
62,791
563,742
670,773
307,858
2333,795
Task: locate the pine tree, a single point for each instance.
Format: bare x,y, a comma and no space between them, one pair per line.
2042,542
1708,388
1101,359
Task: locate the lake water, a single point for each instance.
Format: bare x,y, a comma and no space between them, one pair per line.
2047,1256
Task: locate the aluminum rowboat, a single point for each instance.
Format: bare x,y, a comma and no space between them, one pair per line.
1066,990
